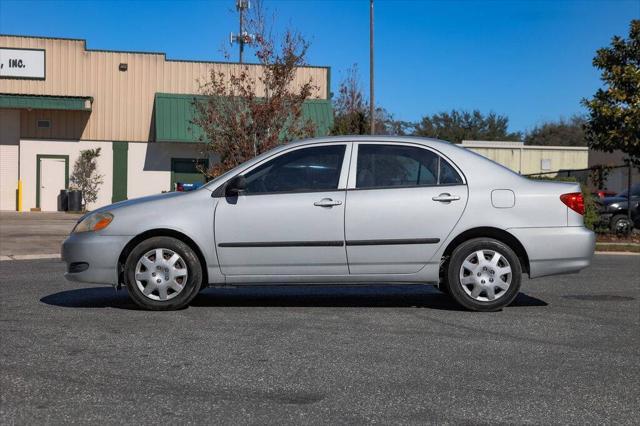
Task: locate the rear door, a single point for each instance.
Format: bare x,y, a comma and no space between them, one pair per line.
290,218
403,200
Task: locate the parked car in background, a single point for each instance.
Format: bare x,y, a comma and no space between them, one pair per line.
614,211
603,193
342,210
185,187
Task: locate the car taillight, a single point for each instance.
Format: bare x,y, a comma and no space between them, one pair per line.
574,201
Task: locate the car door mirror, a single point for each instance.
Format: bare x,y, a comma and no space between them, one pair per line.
236,186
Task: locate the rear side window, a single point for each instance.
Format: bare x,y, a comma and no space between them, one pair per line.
381,166
307,169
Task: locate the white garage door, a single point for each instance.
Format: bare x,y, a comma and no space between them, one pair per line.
9,148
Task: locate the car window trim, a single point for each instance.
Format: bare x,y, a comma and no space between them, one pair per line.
219,192
353,169
405,187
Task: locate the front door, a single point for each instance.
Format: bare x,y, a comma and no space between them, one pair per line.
402,203
53,178
290,218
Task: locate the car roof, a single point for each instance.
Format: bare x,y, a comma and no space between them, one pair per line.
371,138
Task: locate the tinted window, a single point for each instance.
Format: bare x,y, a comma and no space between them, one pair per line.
635,191
308,169
397,165
448,175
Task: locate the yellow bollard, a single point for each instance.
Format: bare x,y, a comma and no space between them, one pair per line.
19,206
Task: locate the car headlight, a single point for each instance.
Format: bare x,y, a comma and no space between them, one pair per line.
93,222
614,205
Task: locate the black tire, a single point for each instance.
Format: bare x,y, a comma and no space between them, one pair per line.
189,260
443,287
502,297
443,284
620,224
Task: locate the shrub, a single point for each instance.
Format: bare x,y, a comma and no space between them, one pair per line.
85,177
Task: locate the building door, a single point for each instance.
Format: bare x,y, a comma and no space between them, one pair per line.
53,178
187,170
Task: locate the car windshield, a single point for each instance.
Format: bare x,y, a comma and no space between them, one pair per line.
635,191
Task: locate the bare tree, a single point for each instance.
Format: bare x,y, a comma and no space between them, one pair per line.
351,111
350,107
244,115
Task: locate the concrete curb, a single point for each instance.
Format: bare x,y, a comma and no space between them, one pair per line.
29,257
620,253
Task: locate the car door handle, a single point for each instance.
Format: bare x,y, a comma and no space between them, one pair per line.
446,198
327,202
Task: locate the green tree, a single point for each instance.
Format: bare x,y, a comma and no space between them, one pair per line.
85,177
456,126
614,110
558,133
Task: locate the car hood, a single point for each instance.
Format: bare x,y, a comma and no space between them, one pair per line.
136,201
607,201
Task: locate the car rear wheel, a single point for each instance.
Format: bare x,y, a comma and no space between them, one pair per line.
163,273
484,275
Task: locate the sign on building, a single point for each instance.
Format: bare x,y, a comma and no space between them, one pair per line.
22,63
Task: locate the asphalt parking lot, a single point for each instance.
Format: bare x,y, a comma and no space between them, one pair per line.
566,352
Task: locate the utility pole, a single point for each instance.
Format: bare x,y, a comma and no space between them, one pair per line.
242,37
629,174
372,107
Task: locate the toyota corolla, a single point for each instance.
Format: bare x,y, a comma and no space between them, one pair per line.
343,210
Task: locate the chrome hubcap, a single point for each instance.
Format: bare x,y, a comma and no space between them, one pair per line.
161,274
485,275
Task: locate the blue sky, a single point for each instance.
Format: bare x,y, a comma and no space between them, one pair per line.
530,60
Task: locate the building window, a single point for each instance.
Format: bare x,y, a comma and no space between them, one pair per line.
44,124
545,164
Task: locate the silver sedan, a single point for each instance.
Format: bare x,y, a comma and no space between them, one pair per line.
348,210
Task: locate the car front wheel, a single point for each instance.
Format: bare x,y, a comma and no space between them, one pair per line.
620,224
484,275
163,273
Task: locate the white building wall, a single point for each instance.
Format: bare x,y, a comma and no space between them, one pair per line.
29,149
149,166
531,159
9,140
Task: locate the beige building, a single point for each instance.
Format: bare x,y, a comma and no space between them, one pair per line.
532,159
57,98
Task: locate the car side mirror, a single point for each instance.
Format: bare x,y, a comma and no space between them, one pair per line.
236,186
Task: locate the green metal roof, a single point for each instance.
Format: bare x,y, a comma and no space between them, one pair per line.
173,114
70,103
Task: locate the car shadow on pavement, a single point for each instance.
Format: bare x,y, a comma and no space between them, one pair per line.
408,296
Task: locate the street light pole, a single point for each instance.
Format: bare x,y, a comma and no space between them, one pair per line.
371,93
629,174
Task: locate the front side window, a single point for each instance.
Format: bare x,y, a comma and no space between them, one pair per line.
382,166
307,169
